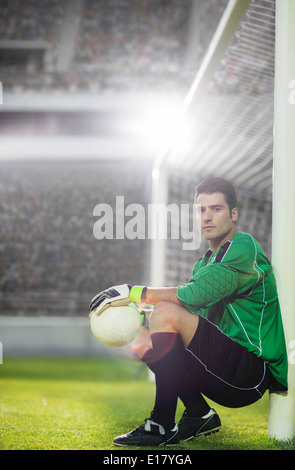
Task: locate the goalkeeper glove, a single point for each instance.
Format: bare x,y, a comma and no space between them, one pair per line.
117,295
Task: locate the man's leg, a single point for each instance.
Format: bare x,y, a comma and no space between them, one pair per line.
171,329
172,318
225,372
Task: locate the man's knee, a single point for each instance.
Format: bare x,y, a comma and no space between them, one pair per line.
142,343
163,317
170,317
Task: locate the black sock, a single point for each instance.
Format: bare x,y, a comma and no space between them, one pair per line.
195,405
150,360
168,352
194,402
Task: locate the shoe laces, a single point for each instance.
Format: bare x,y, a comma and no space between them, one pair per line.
149,424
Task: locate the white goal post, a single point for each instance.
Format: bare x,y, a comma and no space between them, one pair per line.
282,406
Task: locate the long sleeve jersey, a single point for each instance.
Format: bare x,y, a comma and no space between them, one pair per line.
235,289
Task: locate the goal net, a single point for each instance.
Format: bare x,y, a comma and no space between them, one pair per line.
231,132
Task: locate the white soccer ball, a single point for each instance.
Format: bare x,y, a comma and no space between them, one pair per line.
116,326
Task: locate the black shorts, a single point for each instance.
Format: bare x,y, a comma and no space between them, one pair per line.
223,370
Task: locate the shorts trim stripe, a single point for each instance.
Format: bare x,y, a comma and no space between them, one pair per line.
256,387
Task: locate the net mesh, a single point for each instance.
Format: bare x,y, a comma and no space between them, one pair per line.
232,127
232,134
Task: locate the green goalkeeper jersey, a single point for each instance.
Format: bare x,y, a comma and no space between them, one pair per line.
235,289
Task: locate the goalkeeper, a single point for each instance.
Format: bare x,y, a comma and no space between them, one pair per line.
219,336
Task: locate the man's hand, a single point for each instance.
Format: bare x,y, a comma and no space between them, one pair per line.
117,295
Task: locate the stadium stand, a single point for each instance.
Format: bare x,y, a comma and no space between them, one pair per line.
117,45
51,264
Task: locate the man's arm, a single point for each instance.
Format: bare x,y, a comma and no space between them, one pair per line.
121,295
155,295
208,286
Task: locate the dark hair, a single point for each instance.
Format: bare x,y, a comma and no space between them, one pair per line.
218,185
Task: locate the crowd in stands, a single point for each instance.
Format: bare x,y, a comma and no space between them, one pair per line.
131,45
119,45
30,20
51,263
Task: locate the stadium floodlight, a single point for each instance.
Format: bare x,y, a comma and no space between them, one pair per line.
164,127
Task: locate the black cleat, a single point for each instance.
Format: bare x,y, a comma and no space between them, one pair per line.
190,427
149,434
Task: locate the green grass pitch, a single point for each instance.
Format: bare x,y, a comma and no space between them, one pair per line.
82,404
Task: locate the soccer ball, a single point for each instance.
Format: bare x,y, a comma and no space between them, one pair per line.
116,326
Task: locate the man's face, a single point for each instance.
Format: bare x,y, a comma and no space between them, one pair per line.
214,218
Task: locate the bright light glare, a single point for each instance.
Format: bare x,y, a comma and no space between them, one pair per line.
164,128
